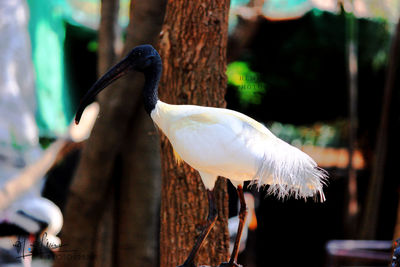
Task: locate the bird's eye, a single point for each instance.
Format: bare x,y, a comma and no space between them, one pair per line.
147,62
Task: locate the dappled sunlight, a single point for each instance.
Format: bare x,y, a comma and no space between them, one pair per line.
82,131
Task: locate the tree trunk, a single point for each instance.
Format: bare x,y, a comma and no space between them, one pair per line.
139,196
108,36
140,186
193,48
97,171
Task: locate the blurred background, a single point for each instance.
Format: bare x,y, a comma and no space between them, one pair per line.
321,74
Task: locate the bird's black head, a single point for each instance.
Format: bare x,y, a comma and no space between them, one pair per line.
143,58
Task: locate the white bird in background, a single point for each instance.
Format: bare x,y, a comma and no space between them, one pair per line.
37,219
218,142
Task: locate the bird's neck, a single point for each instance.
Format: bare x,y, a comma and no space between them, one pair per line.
150,90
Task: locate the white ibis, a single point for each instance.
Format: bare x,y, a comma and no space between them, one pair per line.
218,142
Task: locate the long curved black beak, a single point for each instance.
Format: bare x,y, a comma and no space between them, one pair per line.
117,71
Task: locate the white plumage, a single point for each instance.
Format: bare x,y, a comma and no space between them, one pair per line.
222,142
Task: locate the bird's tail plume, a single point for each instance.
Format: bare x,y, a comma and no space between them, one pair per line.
290,172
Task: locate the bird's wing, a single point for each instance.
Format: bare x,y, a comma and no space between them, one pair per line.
226,143
219,141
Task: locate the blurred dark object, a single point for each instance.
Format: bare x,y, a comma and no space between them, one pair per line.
396,254
8,256
60,175
358,252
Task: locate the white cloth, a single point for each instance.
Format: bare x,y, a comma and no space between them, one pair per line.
19,145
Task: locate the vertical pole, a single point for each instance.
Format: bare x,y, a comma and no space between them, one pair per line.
370,220
352,72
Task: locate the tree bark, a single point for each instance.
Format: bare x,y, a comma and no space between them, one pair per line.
94,177
108,37
193,48
139,189
139,196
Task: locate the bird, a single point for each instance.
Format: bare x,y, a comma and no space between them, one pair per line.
218,142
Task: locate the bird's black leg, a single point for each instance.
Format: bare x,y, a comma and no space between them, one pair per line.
211,219
242,218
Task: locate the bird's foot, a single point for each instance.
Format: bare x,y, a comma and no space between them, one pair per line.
228,264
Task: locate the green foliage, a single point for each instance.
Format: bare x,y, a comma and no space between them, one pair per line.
248,84
93,46
45,142
374,42
303,65
318,134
